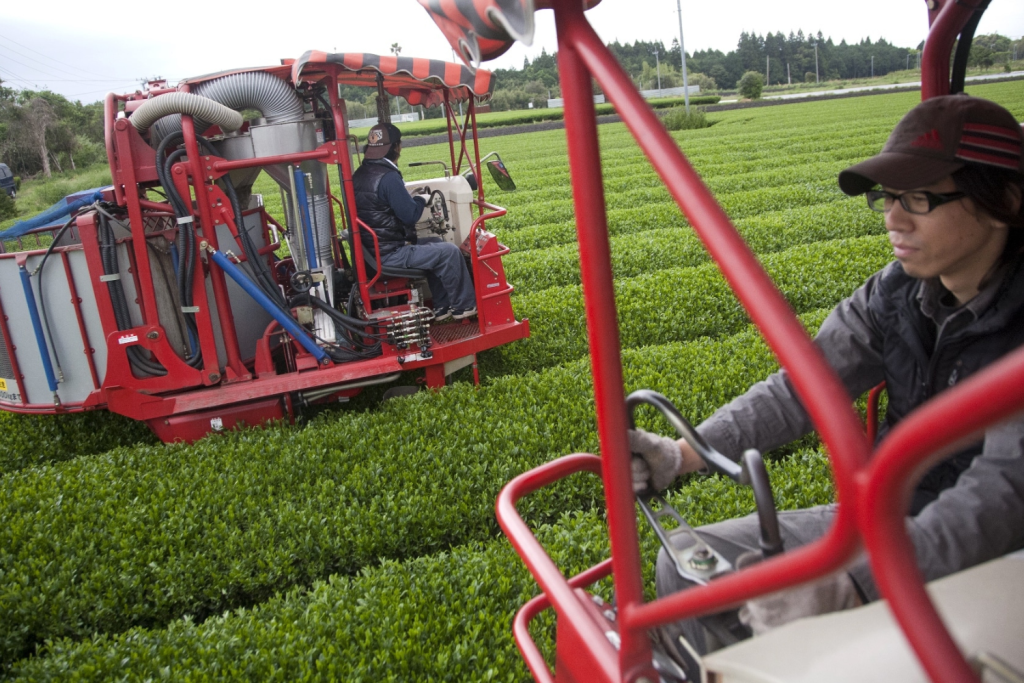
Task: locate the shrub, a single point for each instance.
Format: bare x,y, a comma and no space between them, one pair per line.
8,209
810,77
750,85
680,119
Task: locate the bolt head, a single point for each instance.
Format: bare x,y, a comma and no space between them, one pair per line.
152,334
214,377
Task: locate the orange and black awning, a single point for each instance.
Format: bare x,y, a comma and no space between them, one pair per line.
480,30
419,81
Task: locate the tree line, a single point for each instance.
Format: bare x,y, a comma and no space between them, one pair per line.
42,132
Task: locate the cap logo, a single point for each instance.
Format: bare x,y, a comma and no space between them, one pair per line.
376,137
992,145
931,140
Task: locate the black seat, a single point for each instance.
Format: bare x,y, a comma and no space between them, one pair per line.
387,271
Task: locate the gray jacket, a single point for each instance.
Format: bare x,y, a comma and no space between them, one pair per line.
979,518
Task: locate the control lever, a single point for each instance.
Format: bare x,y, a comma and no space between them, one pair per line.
700,563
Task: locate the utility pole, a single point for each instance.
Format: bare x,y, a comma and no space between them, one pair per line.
789,78
872,66
657,61
767,63
817,79
908,61
682,58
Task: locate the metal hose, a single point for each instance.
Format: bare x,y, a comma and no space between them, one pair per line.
274,98
178,103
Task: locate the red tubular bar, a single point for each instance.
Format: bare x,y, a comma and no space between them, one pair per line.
520,625
217,277
76,301
946,26
872,417
812,377
359,259
920,440
603,331
548,576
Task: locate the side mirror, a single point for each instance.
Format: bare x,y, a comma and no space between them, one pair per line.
501,176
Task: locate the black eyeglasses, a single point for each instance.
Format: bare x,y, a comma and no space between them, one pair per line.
919,202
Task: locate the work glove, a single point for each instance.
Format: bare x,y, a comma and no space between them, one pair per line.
831,593
659,461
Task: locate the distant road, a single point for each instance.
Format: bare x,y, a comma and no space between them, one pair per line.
889,86
725,105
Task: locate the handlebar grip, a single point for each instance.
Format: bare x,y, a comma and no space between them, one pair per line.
716,461
751,472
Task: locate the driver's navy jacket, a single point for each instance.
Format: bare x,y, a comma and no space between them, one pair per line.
970,507
382,202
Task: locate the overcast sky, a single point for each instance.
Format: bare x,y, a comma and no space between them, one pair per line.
84,49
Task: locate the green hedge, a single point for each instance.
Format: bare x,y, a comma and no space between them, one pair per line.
636,254
442,617
683,303
143,536
27,440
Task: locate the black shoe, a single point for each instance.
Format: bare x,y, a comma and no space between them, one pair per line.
462,315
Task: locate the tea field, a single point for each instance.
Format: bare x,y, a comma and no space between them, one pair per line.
361,543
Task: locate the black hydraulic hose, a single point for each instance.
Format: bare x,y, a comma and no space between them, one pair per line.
122,316
186,249
42,298
963,49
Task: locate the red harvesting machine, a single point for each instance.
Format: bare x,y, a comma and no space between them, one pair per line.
165,300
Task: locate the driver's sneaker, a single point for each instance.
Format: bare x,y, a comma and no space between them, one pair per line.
442,314
462,315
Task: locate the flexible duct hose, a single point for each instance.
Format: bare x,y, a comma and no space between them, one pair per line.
185,103
274,98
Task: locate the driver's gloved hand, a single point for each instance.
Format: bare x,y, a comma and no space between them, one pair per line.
659,463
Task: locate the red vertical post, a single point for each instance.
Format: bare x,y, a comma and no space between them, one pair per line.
235,368
945,28
603,332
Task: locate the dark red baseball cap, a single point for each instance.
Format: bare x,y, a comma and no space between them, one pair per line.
936,138
380,138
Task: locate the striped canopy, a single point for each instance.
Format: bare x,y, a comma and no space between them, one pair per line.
480,30
419,81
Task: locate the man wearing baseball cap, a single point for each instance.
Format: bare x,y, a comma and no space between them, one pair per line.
383,203
950,183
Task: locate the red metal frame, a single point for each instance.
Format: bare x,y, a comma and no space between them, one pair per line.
874,489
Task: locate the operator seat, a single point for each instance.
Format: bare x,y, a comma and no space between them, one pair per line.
370,262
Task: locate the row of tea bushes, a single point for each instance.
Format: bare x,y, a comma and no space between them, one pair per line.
684,303
146,535
636,254
443,617
28,440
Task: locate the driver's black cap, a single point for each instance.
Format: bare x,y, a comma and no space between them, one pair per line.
380,139
935,139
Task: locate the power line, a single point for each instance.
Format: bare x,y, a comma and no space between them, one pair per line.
45,56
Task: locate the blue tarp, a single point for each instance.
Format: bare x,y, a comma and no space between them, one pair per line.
56,215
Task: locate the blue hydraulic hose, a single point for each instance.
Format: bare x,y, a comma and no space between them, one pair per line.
307,226
33,311
286,321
